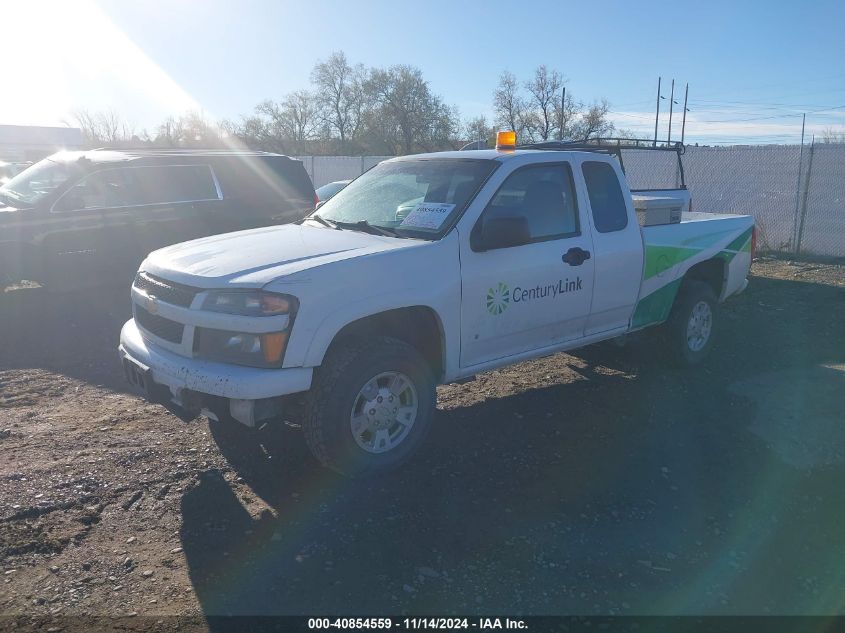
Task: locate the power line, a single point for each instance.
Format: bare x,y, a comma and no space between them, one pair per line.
774,116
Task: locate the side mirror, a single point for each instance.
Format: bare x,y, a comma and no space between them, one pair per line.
320,204
504,232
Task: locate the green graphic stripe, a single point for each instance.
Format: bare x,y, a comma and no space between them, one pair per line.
742,244
655,307
660,258
739,243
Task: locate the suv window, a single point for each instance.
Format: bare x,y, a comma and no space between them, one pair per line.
106,188
606,199
136,186
160,184
542,193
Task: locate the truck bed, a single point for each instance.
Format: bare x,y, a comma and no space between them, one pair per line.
672,249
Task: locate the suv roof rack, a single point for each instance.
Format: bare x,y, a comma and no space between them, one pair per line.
614,146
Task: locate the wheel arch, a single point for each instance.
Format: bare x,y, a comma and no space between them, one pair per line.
419,326
713,272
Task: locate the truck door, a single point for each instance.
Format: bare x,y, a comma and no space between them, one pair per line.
617,244
522,298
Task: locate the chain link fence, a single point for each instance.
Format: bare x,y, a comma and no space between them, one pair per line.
326,169
796,196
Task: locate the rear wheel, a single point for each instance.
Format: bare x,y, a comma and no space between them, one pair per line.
370,407
690,330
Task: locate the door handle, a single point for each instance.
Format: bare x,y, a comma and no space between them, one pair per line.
576,256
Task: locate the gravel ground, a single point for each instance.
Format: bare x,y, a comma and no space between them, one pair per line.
596,483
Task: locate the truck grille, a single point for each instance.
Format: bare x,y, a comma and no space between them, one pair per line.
159,326
167,291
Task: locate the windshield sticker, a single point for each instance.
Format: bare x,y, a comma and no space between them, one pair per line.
428,215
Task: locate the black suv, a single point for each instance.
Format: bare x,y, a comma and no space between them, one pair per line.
82,218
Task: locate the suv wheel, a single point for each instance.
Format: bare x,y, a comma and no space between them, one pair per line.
370,407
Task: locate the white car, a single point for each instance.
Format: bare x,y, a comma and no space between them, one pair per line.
353,315
328,190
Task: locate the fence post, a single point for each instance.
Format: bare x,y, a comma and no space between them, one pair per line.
797,201
804,201
313,181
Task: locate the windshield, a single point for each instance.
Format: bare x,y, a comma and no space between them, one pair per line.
414,198
36,183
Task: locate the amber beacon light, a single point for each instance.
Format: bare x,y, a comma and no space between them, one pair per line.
506,139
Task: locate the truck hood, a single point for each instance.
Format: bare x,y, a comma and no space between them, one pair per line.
256,257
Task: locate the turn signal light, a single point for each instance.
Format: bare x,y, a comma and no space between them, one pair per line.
506,139
273,345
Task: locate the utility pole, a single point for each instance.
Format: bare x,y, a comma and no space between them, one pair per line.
562,114
796,246
671,101
684,123
657,113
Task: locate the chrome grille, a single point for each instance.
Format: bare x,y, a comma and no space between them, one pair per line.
167,291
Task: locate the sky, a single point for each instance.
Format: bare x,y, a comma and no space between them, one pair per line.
753,68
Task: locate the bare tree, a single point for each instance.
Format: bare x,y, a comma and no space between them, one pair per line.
833,135
478,129
566,114
105,127
191,129
408,115
508,104
287,125
594,122
340,95
544,102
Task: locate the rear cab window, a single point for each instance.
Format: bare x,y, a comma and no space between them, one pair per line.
606,199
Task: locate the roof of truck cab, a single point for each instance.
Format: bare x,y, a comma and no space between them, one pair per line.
489,154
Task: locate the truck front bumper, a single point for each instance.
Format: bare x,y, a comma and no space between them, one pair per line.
192,386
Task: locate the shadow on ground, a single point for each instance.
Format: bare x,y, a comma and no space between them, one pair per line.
631,489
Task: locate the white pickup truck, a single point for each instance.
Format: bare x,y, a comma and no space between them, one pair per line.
426,269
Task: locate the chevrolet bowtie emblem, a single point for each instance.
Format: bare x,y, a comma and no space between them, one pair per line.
151,304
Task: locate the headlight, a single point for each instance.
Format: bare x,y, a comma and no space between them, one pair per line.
240,348
250,303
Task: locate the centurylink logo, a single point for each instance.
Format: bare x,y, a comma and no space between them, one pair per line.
498,299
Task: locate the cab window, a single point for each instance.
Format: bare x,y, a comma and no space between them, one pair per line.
545,195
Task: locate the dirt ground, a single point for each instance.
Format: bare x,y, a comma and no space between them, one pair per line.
597,483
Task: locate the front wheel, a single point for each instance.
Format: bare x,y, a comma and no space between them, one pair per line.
370,407
690,330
